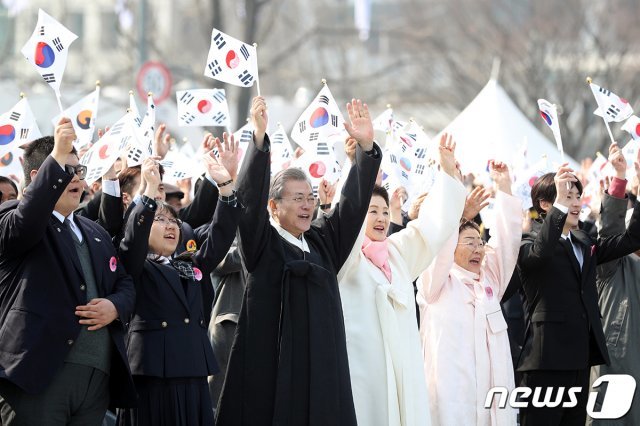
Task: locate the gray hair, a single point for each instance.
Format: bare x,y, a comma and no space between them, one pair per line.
282,177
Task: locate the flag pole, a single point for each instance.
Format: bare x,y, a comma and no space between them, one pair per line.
606,123
255,45
59,101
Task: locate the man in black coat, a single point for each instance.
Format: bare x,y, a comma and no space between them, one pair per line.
64,298
288,363
557,267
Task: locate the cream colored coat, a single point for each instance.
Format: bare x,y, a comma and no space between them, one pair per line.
383,343
464,334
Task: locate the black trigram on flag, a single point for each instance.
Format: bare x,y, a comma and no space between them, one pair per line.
134,154
187,117
421,152
186,98
404,174
95,173
613,111
49,78
219,117
303,126
393,159
334,120
219,96
15,116
403,147
24,133
179,175
322,149
323,99
86,158
124,142
604,91
117,129
167,164
138,120
244,51
42,30
420,169
246,136
214,67
278,138
245,77
313,136
58,44
219,41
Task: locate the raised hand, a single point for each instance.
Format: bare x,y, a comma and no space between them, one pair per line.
476,201
563,180
350,148
208,142
617,160
63,137
360,127
414,210
260,119
326,191
150,171
499,173
398,198
217,171
447,158
229,155
161,141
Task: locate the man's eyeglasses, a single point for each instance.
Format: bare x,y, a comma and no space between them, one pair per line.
163,220
300,199
473,245
79,169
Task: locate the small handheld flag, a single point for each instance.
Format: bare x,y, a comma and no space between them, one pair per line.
231,60
549,115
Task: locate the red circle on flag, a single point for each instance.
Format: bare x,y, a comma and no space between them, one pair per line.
317,169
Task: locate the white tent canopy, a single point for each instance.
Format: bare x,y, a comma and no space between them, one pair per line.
492,127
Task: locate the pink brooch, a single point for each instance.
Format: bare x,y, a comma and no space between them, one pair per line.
113,263
593,250
489,292
198,273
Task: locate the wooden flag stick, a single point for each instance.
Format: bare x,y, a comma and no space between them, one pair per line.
255,45
59,102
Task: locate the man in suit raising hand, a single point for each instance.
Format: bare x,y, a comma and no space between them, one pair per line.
63,299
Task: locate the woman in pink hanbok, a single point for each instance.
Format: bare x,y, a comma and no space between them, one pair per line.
464,335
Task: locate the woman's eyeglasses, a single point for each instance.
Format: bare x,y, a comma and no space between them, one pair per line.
473,245
163,220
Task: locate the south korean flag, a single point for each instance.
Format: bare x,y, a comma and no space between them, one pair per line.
47,49
322,121
244,136
203,107
17,127
231,60
611,107
281,152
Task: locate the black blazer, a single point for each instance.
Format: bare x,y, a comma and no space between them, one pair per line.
41,283
168,331
564,331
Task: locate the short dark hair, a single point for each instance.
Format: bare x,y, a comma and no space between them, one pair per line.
127,176
4,179
35,154
468,224
544,189
381,192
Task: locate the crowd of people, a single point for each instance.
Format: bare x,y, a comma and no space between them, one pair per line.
256,302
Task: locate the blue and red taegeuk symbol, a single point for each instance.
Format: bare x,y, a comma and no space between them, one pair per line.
83,119
7,134
319,118
6,159
405,164
44,57
546,117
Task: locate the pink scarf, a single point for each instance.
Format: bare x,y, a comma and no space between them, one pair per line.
378,253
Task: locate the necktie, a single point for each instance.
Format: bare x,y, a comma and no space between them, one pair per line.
67,224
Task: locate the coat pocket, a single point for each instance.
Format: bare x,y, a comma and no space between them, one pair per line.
496,322
21,331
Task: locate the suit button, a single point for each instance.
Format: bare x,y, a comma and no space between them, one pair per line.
186,320
59,180
70,342
55,186
82,287
164,324
201,322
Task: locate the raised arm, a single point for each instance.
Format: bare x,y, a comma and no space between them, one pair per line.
342,225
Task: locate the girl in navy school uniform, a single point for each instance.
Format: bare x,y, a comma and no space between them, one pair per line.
168,348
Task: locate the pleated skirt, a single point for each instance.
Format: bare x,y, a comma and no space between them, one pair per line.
169,402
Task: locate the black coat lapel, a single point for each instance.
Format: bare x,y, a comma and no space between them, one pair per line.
66,246
572,257
585,245
171,276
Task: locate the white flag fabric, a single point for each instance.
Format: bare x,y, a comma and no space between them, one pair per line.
525,179
244,136
47,49
17,127
101,156
203,107
317,167
632,126
133,107
549,115
142,146
384,122
600,168
281,152
322,121
630,152
362,15
83,117
177,166
10,165
231,60
610,106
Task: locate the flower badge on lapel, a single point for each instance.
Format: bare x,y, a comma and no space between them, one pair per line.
593,250
197,273
489,291
191,246
113,263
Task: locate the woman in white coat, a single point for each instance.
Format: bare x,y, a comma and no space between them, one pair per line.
378,302
464,334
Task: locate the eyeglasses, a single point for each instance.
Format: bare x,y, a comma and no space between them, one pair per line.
163,220
301,199
473,245
79,169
